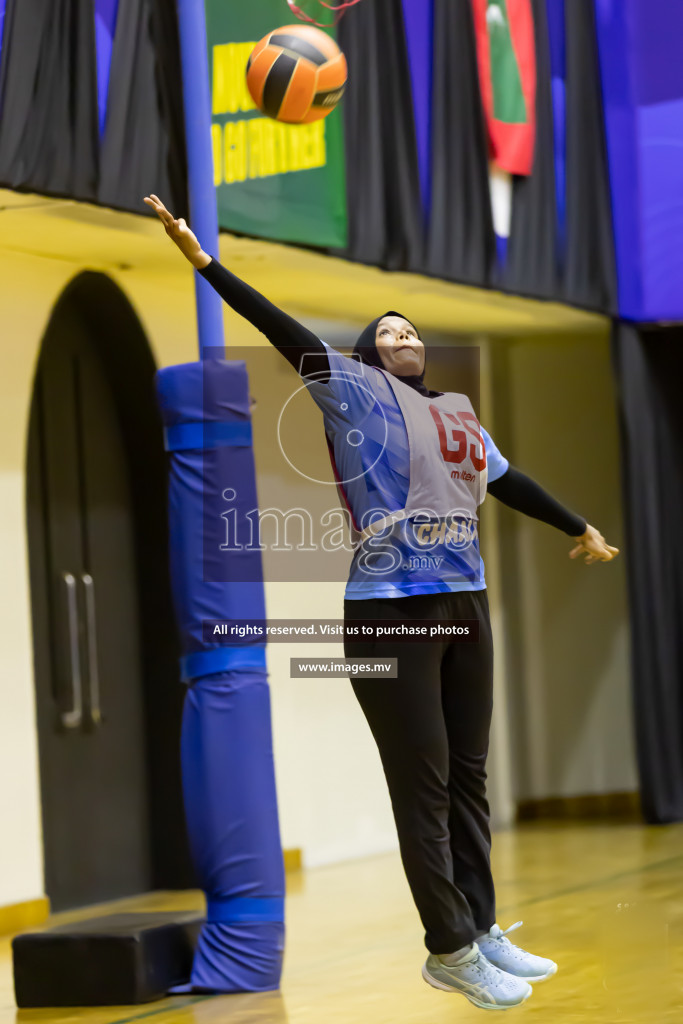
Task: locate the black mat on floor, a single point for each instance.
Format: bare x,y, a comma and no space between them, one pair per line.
105,961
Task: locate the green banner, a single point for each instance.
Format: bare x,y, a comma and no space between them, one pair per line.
508,98
284,182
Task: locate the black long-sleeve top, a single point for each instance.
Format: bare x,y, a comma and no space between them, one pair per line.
293,340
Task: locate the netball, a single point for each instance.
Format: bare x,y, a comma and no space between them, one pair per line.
296,74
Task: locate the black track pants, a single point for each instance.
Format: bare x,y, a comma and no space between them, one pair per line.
431,726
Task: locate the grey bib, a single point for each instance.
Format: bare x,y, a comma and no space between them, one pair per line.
448,473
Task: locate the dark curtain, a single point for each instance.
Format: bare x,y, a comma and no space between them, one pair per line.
48,104
48,98
136,151
383,186
648,365
531,267
589,277
460,239
170,93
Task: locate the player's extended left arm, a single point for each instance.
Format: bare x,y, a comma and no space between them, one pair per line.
287,335
521,492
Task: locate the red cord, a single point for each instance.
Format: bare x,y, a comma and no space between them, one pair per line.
339,10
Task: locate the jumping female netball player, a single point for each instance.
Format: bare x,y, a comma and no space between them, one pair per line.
399,449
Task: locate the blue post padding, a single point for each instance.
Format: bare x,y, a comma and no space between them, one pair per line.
221,659
232,820
245,908
227,756
207,435
209,583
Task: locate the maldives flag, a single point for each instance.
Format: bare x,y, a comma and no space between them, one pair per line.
506,57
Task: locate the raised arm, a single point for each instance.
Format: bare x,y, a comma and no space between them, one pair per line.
520,492
288,336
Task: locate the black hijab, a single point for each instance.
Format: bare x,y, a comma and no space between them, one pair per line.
366,351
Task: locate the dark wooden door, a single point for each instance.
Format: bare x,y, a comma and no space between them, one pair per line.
87,643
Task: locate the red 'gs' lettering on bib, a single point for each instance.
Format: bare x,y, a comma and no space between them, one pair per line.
448,473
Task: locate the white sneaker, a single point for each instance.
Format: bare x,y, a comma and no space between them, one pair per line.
478,980
499,951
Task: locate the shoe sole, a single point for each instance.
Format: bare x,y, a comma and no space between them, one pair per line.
476,1002
538,977
542,977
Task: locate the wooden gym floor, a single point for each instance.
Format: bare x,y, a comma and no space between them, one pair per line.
604,900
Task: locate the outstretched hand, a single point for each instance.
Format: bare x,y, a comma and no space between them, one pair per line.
594,546
178,231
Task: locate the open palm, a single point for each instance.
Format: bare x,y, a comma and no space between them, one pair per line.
178,231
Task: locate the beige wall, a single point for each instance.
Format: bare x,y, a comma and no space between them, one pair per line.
566,622
27,289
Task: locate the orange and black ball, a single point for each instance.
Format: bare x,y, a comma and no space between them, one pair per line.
296,74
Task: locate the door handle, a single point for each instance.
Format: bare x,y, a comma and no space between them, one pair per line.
91,634
73,718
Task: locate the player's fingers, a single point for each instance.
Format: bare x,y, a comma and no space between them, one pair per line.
575,552
153,204
165,214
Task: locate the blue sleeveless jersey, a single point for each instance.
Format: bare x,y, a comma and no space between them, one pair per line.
370,455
